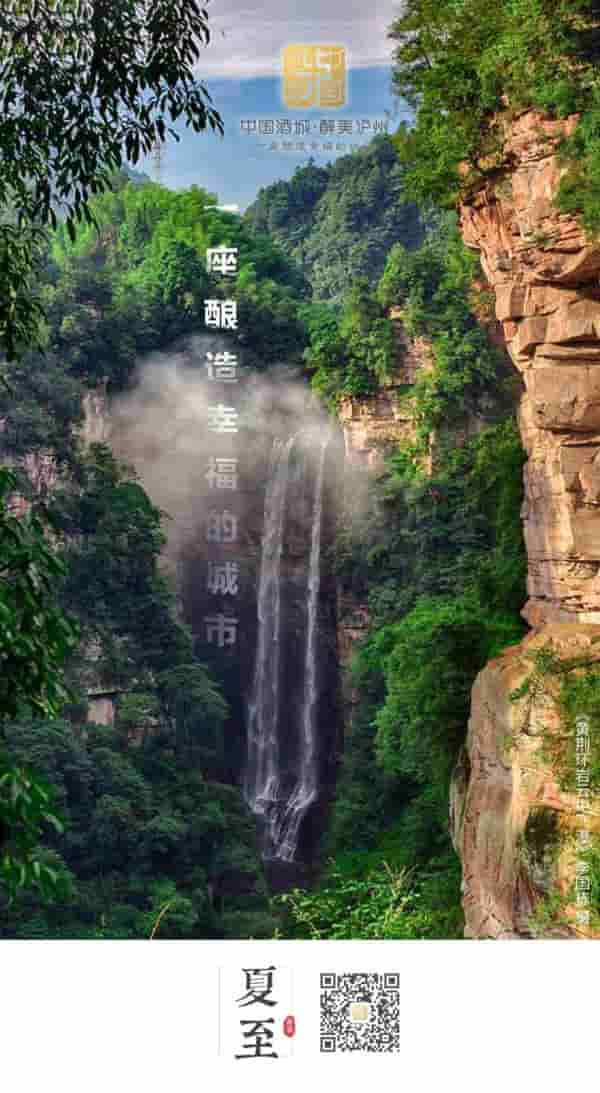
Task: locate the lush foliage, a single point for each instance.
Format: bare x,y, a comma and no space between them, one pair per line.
112,539
436,555
351,350
99,90
440,561
572,684
571,748
35,639
443,533
364,900
140,283
35,635
145,835
436,286
339,222
152,839
144,823
459,64
437,649
117,827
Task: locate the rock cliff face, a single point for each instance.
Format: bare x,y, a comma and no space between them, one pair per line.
513,826
545,275
96,425
375,424
372,427
41,471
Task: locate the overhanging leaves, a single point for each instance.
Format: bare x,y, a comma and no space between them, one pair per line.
83,84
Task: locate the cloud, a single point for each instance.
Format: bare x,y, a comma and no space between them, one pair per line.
247,39
160,427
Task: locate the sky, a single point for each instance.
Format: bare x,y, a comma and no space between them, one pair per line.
241,68
246,39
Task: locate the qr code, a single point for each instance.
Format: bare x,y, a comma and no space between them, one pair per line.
360,1011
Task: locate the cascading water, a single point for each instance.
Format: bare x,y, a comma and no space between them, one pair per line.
280,811
262,778
307,785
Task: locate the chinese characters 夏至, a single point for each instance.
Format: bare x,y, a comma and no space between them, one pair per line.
257,1033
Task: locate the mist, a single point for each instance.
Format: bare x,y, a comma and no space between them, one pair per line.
161,426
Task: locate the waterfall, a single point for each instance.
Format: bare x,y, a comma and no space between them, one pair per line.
307,785
262,780
280,811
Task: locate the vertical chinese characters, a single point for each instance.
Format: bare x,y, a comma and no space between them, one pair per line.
222,578
582,783
257,1032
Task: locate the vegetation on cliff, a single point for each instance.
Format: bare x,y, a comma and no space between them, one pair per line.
438,556
35,639
470,72
145,830
570,748
439,289
439,559
441,562
339,222
351,348
460,65
110,296
136,819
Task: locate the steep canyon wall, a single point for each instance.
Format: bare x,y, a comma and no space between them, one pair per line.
545,275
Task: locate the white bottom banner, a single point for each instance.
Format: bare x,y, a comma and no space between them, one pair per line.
119,1017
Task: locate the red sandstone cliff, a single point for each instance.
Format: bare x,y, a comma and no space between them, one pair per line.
373,426
545,275
546,280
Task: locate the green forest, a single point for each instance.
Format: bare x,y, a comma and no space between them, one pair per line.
135,829
108,297
143,802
